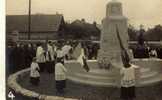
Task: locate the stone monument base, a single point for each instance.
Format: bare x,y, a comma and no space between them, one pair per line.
149,72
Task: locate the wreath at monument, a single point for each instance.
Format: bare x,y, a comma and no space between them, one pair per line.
104,63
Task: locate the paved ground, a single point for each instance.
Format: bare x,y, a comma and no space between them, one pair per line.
85,92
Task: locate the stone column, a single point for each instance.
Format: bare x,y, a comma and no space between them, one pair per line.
109,45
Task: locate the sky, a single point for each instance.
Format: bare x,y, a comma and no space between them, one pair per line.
146,12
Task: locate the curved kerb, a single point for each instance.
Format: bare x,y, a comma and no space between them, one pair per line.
154,65
12,83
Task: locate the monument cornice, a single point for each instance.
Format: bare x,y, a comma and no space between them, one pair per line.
116,17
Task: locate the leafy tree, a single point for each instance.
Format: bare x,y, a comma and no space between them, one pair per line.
132,33
154,34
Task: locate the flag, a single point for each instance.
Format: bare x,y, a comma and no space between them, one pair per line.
124,54
82,60
79,54
85,65
77,51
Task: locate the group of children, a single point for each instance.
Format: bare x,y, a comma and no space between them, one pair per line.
60,75
45,61
127,80
128,77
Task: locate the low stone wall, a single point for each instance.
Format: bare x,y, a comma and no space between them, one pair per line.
12,82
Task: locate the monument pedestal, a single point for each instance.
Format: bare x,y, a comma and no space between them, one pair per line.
110,50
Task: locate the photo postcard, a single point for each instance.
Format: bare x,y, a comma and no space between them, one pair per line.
83,49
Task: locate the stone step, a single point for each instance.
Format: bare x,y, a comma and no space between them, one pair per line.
144,70
154,80
141,69
94,83
110,82
87,76
103,72
95,78
94,68
93,64
148,75
105,75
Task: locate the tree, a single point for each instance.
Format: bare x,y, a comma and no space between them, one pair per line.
79,29
132,33
154,34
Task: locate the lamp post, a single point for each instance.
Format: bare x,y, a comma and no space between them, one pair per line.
29,20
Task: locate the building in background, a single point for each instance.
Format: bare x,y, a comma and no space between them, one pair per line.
42,26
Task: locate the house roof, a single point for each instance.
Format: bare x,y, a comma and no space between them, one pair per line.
90,28
39,23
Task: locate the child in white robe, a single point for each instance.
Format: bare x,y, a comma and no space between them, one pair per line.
40,57
60,76
34,73
128,81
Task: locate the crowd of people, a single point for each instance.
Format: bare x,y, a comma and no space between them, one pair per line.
19,55
142,51
45,57
49,57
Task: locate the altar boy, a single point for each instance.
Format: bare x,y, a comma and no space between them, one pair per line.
60,76
34,73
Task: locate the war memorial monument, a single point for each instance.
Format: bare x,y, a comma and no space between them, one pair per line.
150,70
